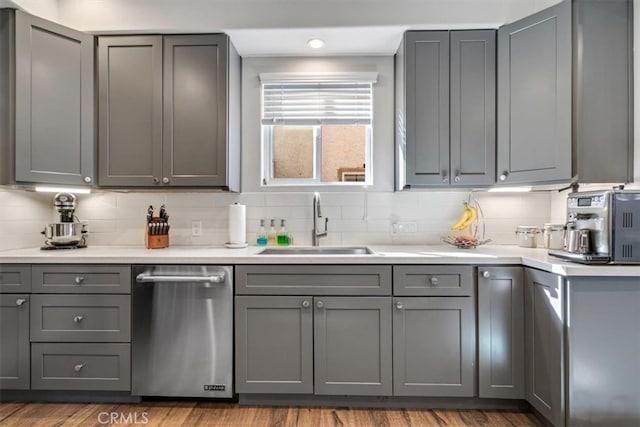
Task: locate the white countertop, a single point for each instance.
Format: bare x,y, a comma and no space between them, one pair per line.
384,254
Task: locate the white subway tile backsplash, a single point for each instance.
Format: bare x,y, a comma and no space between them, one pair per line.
354,218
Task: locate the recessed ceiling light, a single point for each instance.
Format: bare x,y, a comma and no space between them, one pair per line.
315,43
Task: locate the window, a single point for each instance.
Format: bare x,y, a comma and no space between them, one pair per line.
316,130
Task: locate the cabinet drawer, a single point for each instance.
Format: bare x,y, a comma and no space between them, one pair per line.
433,280
81,318
15,278
317,280
84,279
80,366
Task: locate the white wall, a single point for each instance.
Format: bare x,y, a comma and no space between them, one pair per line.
47,9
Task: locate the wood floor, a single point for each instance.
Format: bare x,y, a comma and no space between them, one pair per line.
191,414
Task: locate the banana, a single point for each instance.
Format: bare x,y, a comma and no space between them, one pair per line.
469,215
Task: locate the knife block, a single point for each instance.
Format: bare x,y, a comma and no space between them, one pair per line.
155,241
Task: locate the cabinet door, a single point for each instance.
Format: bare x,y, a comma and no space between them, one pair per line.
544,371
274,344
603,90
195,114
15,278
55,141
501,332
352,346
534,98
14,345
434,346
473,107
130,111
427,104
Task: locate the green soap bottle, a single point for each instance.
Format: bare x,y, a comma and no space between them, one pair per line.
283,236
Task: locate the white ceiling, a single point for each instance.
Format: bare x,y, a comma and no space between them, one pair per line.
282,27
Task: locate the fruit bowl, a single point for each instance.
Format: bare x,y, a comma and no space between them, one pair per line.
464,242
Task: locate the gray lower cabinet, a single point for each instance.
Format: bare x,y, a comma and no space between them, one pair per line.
448,113
352,346
282,341
534,98
544,344
603,348
434,346
74,366
54,103
15,278
155,129
14,349
501,332
81,279
274,344
433,280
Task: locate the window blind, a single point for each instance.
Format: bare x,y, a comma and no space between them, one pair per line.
313,103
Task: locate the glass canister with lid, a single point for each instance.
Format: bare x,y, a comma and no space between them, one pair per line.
553,235
526,236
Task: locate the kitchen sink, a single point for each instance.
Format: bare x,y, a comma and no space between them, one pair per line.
318,250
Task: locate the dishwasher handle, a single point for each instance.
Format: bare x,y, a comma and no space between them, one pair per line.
150,278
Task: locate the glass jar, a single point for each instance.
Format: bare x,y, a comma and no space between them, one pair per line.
526,236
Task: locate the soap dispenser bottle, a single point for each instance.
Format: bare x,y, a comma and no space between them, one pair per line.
283,236
272,235
261,240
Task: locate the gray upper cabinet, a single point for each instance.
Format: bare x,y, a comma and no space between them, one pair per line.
48,91
544,320
352,346
14,351
534,98
274,344
434,346
603,90
449,113
169,111
501,332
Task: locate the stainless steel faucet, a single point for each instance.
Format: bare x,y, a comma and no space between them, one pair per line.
317,215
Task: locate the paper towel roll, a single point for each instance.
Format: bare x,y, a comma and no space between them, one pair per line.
237,224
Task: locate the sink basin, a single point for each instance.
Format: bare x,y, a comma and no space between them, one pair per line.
318,250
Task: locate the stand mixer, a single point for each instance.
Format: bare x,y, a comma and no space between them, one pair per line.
68,233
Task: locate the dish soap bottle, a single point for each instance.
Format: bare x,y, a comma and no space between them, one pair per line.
262,235
271,237
283,236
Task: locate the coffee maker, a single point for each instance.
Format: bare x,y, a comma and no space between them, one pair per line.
68,232
602,227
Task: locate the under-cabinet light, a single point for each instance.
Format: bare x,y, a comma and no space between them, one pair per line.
41,189
315,43
510,189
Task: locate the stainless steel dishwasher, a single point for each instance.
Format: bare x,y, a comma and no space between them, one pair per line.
182,326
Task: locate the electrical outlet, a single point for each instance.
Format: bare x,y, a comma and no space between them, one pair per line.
196,228
403,228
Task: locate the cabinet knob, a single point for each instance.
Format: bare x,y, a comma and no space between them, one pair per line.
433,281
306,304
78,319
457,178
504,175
20,301
155,180
87,179
165,180
445,177
79,280
78,367
319,304
399,305
486,274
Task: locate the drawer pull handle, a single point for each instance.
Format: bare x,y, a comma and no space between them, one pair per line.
20,301
306,304
399,305
79,280
486,274
319,304
434,281
79,367
78,319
